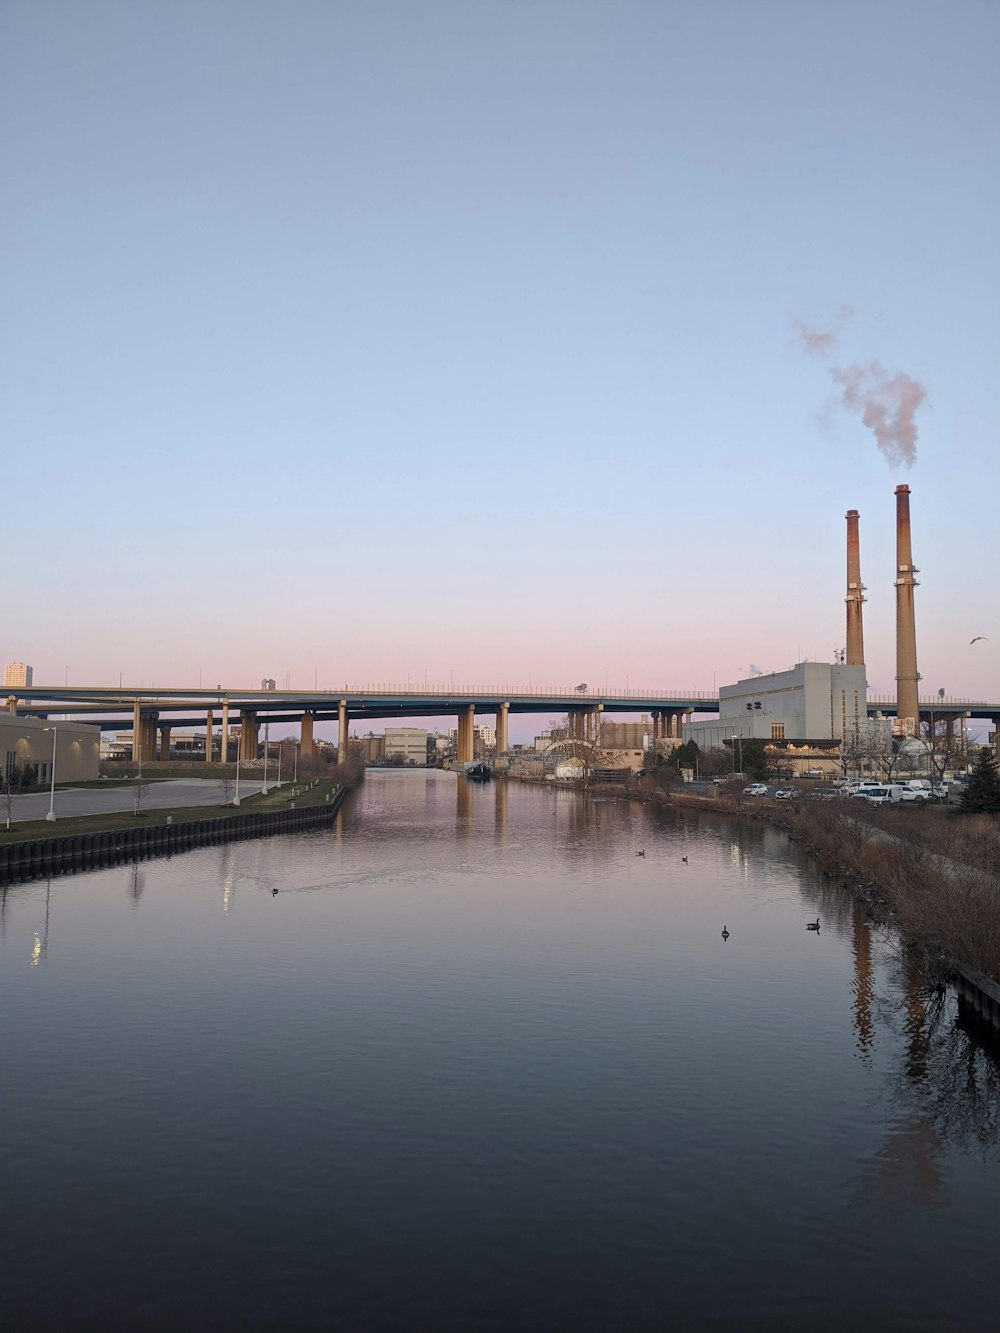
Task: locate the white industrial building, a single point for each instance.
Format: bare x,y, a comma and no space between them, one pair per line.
409,742
29,741
814,702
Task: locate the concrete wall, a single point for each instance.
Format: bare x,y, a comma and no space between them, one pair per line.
25,740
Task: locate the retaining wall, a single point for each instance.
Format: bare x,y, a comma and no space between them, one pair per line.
82,851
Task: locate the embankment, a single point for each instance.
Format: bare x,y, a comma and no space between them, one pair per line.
70,852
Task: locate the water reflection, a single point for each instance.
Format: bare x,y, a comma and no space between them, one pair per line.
864,979
474,1034
500,809
463,806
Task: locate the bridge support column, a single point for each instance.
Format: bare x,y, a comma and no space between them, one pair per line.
224,744
149,737
209,724
143,734
165,742
595,718
996,735
306,735
342,731
503,742
466,734
249,727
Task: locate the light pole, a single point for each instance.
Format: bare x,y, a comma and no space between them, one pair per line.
51,816
236,798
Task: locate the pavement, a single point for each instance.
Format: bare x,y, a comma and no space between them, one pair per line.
105,800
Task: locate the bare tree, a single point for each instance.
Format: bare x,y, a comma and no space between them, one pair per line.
870,749
568,742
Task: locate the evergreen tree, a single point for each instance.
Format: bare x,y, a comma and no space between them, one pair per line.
755,762
684,756
981,794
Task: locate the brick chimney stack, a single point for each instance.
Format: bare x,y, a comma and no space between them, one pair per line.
907,702
855,593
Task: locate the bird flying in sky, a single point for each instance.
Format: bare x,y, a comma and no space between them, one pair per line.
976,639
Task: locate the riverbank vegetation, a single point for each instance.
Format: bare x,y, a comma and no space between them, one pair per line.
936,873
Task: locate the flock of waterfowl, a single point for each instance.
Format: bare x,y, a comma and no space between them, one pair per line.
810,925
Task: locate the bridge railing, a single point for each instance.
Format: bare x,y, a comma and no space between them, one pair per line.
889,700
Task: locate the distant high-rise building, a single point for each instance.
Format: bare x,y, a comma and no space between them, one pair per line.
17,673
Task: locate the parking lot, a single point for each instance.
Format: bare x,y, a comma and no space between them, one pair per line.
70,801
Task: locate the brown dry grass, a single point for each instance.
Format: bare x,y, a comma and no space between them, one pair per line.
938,876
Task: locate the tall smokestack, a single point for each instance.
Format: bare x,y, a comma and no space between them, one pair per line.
907,703
855,593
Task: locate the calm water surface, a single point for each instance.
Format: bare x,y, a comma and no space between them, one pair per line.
477,1065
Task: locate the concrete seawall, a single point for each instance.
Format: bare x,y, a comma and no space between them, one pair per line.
84,851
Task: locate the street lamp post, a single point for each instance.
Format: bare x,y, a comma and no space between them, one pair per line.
51,816
236,798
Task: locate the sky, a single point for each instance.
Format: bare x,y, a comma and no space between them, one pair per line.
493,341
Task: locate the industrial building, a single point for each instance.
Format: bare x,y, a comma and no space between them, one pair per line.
813,702
409,743
809,710
29,741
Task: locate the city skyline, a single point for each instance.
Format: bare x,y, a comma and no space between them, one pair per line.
477,344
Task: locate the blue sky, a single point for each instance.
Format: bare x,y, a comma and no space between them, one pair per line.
375,339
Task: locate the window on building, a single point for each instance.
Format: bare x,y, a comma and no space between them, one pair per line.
777,731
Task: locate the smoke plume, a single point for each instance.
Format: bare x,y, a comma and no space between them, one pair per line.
888,405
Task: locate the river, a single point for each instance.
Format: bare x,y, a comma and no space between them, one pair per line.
468,1060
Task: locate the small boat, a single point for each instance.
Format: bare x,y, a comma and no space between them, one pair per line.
480,770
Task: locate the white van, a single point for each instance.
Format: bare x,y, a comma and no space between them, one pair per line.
876,794
907,794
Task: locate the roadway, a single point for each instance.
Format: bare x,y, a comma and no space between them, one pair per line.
177,792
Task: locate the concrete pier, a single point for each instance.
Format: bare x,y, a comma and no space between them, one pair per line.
342,731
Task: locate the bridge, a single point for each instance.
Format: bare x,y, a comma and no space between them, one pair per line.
154,711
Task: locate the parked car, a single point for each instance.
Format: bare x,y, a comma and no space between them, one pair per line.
908,795
787,794
755,789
